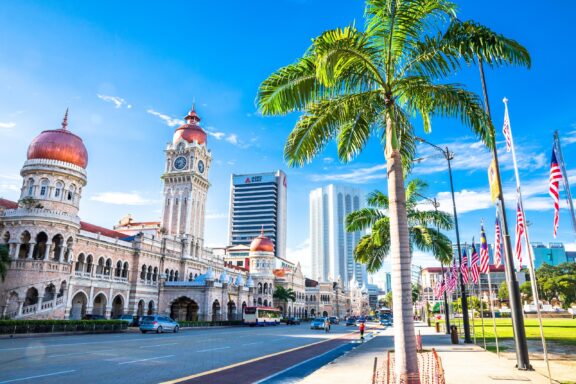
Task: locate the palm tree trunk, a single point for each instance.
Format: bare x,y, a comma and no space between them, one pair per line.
406,360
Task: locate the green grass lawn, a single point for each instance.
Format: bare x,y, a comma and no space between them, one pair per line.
562,331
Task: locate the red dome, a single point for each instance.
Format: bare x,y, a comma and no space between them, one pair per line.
262,244
190,131
59,144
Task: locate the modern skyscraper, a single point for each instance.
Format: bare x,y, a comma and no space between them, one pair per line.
331,246
258,201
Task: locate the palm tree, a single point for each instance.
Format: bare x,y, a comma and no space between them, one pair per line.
283,295
423,227
352,85
4,262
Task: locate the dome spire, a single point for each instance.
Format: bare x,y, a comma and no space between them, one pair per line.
65,121
192,115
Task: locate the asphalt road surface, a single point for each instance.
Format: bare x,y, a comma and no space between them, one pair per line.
196,355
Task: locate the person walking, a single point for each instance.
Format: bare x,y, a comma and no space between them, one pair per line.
361,327
327,325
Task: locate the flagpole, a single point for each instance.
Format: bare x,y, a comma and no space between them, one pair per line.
481,310
529,248
473,325
565,179
493,315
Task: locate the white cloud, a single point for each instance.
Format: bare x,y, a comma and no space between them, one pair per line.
328,160
117,101
7,125
570,246
216,215
301,254
122,198
217,135
356,176
169,121
569,138
232,139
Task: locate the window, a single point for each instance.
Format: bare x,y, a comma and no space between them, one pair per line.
30,187
58,189
43,187
71,191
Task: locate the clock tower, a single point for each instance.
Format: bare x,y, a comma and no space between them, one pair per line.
186,183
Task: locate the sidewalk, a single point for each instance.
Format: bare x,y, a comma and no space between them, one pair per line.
462,363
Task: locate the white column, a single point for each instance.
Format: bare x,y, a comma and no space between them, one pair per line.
47,251
189,212
16,250
179,215
30,250
170,214
61,253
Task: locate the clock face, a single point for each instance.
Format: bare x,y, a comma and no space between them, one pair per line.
180,162
201,166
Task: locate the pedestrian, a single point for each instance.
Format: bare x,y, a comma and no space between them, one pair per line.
362,331
327,325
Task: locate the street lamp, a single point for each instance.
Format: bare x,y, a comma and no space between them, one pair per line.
449,156
436,204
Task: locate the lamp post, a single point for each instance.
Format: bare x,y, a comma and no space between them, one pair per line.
436,204
449,156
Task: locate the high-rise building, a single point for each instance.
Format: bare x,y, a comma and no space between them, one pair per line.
331,246
258,201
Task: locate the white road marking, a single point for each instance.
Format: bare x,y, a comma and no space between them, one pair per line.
151,358
158,345
37,376
258,342
79,353
212,349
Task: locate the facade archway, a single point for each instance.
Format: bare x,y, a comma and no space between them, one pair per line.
49,293
265,303
56,249
117,306
184,309
231,310
24,245
151,307
312,312
259,301
79,303
216,310
40,247
99,305
324,314
140,310
243,306
31,297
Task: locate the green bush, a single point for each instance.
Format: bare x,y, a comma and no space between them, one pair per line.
208,323
46,326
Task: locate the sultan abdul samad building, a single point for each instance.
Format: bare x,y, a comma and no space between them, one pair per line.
65,268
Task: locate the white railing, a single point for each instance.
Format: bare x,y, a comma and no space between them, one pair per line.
29,309
41,212
40,265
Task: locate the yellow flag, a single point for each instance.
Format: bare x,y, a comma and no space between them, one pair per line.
494,190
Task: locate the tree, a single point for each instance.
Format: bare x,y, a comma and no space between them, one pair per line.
415,292
284,294
352,85
557,282
422,227
503,292
4,261
526,290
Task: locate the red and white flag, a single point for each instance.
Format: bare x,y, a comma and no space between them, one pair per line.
474,266
464,268
484,256
520,228
498,244
555,177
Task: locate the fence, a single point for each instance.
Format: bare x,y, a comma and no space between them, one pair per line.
430,370
11,327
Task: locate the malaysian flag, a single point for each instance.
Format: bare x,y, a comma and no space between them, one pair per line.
484,256
519,233
464,267
474,269
497,244
555,177
453,278
506,128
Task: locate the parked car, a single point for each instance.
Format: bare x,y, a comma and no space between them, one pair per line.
351,321
293,321
386,321
127,318
317,323
94,317
361,319
158,324
334,320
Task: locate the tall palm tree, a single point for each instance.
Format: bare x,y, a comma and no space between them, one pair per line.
4,261
423,227
283,295
353,84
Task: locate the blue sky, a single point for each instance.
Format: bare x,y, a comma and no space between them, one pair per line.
128,70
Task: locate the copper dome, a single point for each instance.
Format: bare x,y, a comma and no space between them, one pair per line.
262,244
190,131
59,144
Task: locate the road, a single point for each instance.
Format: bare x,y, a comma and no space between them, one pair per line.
153,358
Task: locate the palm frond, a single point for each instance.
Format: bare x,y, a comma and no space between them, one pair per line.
367,253
363,219
377,199
435,219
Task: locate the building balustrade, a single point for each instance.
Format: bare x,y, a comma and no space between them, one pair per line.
40,265
42,213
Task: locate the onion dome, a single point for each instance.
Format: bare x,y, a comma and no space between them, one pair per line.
224,277
262,244
250,282
59,144
191,130
239,281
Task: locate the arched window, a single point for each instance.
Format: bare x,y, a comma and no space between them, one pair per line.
149,274
30,187
176,276
89,263
44,187
58,189
143,272
100,266
125,269
155,274
71,192
260,288
118,271
108,267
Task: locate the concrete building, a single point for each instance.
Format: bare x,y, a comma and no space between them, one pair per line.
331,246
258,201
551,254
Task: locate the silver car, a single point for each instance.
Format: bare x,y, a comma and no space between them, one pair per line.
158,324
318,323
